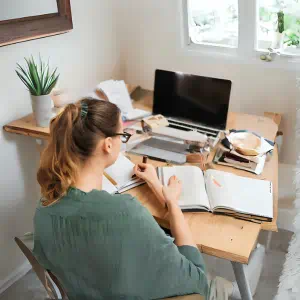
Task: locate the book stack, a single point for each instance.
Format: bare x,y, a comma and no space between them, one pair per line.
231,158
243,150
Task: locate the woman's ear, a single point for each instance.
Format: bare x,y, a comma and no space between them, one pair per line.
107,145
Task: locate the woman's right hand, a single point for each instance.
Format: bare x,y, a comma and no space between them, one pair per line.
172,191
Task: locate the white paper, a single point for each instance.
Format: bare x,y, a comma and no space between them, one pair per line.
242,194
117,93
193,186
136,114
108,186
121,171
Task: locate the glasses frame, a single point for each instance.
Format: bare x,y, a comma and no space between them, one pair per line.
126,135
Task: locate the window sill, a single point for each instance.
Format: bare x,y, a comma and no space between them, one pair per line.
236,56
283,53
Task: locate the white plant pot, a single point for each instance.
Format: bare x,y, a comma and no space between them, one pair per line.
277,41
42,109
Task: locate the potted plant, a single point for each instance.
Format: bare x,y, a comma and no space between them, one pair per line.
40,81
279,33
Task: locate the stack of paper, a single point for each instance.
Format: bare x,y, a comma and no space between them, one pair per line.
117,93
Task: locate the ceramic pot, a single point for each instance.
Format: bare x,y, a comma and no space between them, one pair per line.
277,42
42,109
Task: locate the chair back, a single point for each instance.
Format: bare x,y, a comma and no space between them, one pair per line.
49,281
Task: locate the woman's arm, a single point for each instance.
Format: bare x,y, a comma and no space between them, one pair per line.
168,196
173,270
179,227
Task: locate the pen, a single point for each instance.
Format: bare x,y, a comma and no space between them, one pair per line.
145,159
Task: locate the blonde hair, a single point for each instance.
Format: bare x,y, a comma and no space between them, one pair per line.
74,135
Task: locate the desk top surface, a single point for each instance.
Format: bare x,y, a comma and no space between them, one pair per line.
216,235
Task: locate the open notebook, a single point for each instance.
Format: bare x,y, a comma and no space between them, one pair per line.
118,177
117,93
222,192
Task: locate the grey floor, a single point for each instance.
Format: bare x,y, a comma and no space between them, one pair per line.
29,288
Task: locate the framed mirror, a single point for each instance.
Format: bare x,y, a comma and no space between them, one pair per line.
32,19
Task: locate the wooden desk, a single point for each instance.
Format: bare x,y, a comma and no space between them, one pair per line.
216,235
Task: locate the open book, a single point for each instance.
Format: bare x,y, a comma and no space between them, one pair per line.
117,93
222,192
118,177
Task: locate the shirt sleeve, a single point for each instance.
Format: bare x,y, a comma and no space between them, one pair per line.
193,255
173,270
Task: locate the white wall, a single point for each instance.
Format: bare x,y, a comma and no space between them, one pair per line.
85,56
152,39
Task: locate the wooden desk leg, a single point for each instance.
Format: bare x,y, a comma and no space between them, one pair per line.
242,280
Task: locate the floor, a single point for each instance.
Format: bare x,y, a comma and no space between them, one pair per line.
29,288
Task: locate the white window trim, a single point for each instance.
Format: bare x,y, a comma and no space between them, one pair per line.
247,50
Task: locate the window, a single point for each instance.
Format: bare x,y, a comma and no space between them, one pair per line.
279,25
247,25
214,22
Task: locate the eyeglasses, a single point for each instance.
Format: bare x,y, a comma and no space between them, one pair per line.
125,136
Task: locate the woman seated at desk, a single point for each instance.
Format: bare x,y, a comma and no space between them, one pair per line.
103,246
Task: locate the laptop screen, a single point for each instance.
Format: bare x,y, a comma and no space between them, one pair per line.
202,100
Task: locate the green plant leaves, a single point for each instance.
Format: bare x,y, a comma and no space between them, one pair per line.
37,78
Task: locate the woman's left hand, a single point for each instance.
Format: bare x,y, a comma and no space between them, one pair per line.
146,172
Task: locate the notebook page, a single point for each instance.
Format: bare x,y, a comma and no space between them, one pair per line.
121,171
108,186
247,195
193,186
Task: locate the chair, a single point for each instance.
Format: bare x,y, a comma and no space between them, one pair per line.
49,280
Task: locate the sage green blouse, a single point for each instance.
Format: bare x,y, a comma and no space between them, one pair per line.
103,246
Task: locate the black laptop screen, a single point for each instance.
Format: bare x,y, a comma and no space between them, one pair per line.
202,100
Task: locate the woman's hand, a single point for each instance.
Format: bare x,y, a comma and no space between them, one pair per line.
146,172
172,191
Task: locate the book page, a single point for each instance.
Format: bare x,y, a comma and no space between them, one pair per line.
121,171
242,194
193,186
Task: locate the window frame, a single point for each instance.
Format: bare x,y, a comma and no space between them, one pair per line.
247,49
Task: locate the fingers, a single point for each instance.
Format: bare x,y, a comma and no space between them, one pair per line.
164,191
142,165
173,179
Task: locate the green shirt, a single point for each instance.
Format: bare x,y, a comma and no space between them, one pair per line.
103,246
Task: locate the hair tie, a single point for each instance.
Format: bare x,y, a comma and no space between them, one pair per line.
84,110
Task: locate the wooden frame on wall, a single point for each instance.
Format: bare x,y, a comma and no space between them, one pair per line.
29,28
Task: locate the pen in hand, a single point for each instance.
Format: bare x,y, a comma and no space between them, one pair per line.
145,159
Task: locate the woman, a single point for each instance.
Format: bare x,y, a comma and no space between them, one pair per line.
104,246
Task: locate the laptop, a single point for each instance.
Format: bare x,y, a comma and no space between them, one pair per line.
192,102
